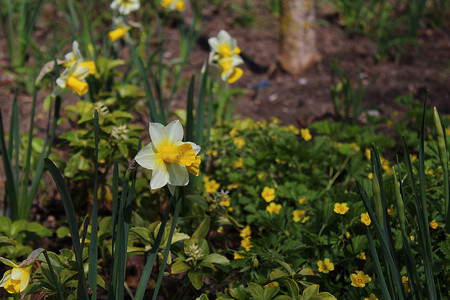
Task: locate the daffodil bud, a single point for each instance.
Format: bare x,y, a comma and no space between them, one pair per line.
377,200
440,138
399,201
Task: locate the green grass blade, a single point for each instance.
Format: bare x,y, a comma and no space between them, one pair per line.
377,265
10,34
73,225
178,201
14,138
140,291
23,190
11,186
209,120
73,16
199,124
115,192
190,110
93,248
393,267
53,278
154,115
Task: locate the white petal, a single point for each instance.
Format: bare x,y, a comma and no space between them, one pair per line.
146,157
16,273
213,43
80,72
174,131
178,174
196,147
6,277
223,36
157,134
160,177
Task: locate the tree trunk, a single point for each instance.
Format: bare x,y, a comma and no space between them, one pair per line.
298,39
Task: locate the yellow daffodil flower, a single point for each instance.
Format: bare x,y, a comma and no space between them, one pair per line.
120,31
178,5
170,159
229,70
72,79
15,280
124,7
359,279
340,208
325,266
365,218
268,194
273,208
76,57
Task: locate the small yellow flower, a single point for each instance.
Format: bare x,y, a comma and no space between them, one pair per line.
390,211
246,232
389,123
305,219
298,215
412,238
447,132
261,176
362,255
246,244
365,218
354,146
370,176
405,281
238,163
220,229
293,129
325,266
302,200
359,279
434,224
225,202
273,283
395,113
371,297
306,135
268,194
233,132
239,142
212,153
367,152
273,208
348,235
340,208
211,186
237,255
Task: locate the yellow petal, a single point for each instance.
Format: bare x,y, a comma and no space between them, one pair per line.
235,75
116,34
77,86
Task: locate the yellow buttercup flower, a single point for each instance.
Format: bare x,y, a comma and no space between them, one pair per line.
246,232
390,211
348,235
340,208
246,244
273,208
293,129
298,215
239,142
325,266
434,224
359,279
170,159
362,255
268,194
367,152
238,163
405,282
306,135
370,176
371,297
211,186
365,218
302,200
237,255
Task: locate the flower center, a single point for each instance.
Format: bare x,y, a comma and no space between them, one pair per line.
183,154
12,286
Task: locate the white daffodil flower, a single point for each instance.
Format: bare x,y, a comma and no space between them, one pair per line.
170,159
173,4
73,78
125,6
229,70
76,57
223,45
15,280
